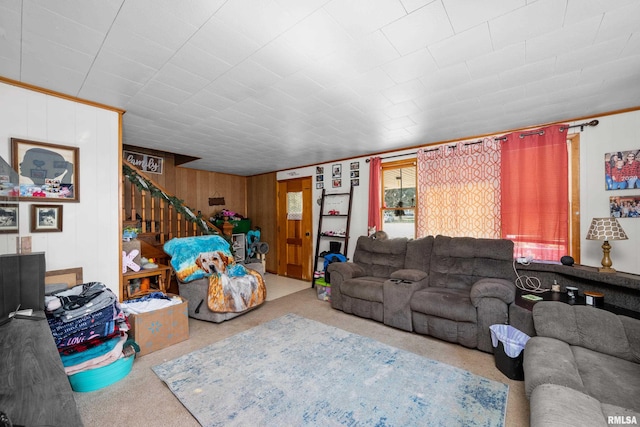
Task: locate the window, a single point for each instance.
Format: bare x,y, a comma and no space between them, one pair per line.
294,205
399,198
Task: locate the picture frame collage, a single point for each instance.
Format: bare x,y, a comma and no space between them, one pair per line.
40,173
336,175
44,218
622,172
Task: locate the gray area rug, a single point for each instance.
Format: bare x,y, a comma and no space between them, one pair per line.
294,371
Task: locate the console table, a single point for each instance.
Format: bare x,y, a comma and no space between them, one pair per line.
34,390
621,290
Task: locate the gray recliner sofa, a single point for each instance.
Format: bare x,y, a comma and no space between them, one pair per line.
452,288
583,366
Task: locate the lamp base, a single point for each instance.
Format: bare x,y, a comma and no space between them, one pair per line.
606,270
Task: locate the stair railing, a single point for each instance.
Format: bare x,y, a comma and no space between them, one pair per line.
159,212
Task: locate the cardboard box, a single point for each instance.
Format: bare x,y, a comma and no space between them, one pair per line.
160,328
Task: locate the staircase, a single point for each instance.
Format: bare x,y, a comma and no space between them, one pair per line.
158,215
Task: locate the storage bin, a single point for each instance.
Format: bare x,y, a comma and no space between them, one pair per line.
508,343
324,290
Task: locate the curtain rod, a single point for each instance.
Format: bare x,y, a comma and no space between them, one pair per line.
503,138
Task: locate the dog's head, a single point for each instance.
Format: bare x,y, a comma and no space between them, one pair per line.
214,262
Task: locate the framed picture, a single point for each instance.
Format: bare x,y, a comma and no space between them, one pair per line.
336,171
622,170
9,217
46,218
46,171
625,206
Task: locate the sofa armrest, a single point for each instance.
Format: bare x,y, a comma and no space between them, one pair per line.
344,271
339,273
397,292
550,361
409,275
502,289
552,404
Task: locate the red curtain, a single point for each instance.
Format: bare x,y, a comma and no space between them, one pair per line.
535,192
375,172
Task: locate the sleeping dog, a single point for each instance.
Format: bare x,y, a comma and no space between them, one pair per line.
230,293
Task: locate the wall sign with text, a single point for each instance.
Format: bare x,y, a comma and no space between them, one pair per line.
145,162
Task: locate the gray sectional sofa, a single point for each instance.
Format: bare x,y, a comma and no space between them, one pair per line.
452,288
583,367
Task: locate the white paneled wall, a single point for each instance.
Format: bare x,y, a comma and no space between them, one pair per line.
618,132
90,235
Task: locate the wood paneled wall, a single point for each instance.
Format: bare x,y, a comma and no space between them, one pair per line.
253,197
195,187
262,205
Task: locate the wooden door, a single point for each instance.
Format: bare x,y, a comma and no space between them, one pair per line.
294,228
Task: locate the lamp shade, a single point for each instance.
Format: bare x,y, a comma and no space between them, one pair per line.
606,229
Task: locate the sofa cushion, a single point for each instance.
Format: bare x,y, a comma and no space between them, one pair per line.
418,256
585,326
548,360
367,288
459,262
609,379
379,258
453,304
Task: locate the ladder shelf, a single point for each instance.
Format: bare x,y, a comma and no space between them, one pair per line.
330,234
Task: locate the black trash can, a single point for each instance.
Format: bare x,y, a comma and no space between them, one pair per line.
508,344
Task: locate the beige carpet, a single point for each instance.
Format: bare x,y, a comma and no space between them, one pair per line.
142,399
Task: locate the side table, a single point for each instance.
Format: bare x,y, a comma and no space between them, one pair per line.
161,274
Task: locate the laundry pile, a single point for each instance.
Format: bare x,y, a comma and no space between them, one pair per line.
90,331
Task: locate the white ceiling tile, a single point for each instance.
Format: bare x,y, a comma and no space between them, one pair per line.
411,5
536,18
262,21
125,42
279,56
467,14
527,73
229,44
251,74
562,40
404,92
620,21
313,79
165,92
583,9
445,78
10,35
511,56
579,58
362,17
163,29
366,53
303,37
61,30
181,78
420,28
200,62
369,82
462,46
411,66
95,14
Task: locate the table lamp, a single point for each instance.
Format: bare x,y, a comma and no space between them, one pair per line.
606,229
